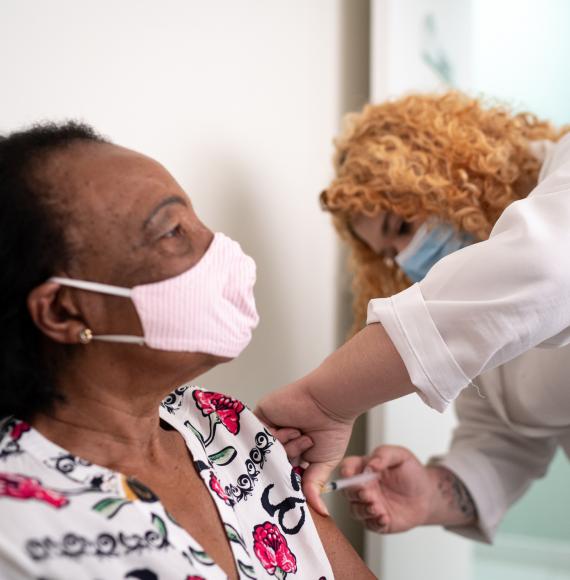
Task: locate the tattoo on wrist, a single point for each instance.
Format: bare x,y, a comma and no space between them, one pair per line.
458,497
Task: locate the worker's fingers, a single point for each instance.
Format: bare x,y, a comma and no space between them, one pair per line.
367,493
365,511
353,494
314,478
380,525
294,442
285,434
353,465
296,447
387,456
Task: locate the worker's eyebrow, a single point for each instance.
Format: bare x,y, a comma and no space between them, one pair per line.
167,201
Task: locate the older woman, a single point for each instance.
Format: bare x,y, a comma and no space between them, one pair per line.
113,294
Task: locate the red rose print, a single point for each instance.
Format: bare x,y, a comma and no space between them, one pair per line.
18,429
21,487
298,471
225,408
216,486
272,551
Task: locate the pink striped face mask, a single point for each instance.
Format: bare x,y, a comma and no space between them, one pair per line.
210,308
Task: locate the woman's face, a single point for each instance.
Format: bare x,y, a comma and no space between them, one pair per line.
385,234
128,222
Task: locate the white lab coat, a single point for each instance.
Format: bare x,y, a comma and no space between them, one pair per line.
480,308
508,432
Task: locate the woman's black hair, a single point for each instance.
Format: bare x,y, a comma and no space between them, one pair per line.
32,247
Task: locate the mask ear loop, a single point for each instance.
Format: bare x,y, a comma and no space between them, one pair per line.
93,286
103,289
123,338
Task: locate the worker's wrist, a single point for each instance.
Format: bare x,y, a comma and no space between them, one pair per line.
436,513
329,397
452,504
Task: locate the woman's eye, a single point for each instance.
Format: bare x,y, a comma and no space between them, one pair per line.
176,240
174,232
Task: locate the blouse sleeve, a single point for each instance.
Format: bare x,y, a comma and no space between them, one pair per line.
494,462
490,302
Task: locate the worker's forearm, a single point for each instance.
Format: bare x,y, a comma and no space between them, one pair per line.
452,503
365,372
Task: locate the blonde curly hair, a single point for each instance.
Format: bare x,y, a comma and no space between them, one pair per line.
448,156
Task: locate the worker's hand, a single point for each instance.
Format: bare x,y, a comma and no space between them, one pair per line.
364,372
403,496
294,405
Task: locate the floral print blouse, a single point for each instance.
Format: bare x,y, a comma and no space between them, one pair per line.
65,518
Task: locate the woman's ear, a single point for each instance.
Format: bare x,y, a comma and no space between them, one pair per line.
54,312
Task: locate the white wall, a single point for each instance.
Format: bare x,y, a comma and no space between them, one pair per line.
239,100
409,34
520,54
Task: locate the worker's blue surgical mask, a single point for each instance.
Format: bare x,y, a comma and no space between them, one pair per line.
430,243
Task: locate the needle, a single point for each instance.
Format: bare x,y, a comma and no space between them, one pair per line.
350,481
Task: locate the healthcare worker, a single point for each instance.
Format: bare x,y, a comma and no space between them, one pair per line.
460,213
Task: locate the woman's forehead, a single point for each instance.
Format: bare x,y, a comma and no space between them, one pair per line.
103,165
99,176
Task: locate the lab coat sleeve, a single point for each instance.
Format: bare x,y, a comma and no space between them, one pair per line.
496,464
490,302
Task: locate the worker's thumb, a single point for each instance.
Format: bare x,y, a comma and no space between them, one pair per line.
314,478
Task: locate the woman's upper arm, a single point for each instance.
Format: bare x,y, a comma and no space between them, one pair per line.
344,560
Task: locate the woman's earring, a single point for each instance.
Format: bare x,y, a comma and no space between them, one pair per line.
85,336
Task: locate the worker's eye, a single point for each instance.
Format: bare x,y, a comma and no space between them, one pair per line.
404,229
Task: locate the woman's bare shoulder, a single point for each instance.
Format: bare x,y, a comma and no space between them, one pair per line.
343,558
